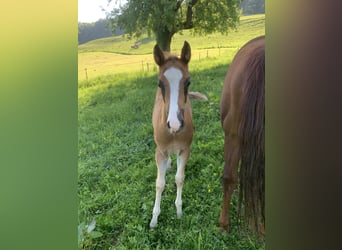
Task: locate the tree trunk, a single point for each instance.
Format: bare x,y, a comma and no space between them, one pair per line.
164,39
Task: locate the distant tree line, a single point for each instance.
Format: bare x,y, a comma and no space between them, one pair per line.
250,7
102,28
92,31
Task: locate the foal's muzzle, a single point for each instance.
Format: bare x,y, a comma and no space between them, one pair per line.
181,125
176,124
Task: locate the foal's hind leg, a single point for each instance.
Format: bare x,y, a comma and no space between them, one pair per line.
182,158
163,163
229,177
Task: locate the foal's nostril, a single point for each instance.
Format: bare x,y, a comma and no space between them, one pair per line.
168,124
182,123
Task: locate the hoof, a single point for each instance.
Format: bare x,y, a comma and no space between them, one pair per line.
153,224
179,213
224,229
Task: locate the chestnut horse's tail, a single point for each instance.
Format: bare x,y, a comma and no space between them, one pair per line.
252,134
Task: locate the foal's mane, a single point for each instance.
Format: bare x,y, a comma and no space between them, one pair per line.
172,58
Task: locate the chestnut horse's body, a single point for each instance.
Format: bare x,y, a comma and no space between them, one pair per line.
172,121
243,120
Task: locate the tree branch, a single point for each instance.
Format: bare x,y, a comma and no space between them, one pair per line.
188,24
178,5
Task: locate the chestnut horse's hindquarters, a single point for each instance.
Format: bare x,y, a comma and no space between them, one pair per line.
243,121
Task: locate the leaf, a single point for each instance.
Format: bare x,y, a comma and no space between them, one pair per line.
80,233
95,234
81,226
91,226
80,230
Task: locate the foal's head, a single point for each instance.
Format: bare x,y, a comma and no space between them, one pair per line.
174,81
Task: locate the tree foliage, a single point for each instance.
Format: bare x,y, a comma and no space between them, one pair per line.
164,18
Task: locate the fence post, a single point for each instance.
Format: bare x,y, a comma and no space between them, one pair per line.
86,74
142,65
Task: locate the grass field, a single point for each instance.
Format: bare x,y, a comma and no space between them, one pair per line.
117,171
114,54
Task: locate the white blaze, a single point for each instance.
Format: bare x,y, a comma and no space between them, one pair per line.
173,75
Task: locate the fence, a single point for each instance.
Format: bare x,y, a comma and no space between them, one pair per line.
144,63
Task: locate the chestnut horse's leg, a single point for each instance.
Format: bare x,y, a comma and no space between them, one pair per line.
163,163
229,177
182,158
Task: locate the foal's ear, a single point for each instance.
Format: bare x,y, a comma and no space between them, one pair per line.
186,52
158,55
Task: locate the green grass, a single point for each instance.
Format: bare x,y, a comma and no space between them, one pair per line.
117,170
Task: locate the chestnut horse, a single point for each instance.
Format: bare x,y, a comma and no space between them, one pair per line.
172,121
242,111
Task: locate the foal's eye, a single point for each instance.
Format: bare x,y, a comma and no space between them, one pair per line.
160,84
162,87
187,83
186,87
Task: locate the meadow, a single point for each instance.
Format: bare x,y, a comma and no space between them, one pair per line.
114,54
117,170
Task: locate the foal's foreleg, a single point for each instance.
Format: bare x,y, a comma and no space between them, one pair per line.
182,158
163,163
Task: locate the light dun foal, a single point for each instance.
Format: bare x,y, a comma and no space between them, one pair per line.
172,121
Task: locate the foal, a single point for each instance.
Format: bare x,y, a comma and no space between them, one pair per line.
172,121
243,121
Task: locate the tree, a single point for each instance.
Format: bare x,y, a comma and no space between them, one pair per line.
164,18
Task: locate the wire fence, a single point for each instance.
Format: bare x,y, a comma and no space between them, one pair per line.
143,63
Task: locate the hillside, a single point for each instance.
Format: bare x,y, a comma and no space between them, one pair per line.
115,54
